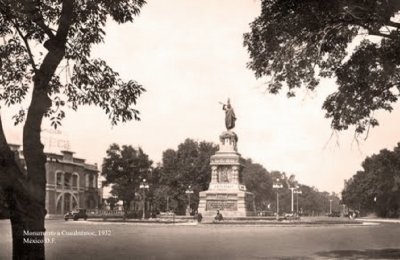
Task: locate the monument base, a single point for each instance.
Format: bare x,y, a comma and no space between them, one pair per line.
226,192
229,203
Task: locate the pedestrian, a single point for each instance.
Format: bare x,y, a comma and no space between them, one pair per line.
218,216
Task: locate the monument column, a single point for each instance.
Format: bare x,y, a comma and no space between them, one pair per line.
226,193
214,173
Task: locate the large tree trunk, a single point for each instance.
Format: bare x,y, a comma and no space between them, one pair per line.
36,166
22,203
33,148
35,160
26,193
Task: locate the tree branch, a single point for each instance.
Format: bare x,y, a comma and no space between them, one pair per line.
31,9
65,20
327,30
380,34
349,12
393,24
40,103
28,48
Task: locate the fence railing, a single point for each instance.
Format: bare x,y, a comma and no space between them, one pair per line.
100,213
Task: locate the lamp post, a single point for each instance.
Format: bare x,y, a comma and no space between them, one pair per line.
277,185
297,200
167,203
292,189
188,192
144,186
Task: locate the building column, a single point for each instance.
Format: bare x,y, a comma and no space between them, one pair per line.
214,174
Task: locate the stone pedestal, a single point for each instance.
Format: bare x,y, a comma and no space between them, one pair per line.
226,192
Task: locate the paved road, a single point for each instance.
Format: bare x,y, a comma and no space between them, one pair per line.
91,240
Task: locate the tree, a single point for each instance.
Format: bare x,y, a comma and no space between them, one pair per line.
42,39
376,188
125,168
311,201
189,165
296,43
258,181
314,202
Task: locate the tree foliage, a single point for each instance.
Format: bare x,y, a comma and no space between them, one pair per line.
188,165
310,202
45,56
376,188
125,167
296,43
258,181
68,29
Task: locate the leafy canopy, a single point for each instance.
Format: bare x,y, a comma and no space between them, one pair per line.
189,165
30,28
376,188
295,43
258,181
125,167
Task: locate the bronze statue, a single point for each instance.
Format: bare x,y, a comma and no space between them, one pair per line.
230,117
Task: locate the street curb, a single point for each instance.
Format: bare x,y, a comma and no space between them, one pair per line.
395,221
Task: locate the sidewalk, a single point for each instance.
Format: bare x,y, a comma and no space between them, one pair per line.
381,220
54,217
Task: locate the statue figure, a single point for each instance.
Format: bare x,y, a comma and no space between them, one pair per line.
230,117
224,175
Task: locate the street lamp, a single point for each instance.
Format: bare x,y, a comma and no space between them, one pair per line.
144,186
188,192
292,189
167,203
297,200
277,185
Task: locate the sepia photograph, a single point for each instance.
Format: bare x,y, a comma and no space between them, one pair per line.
199,129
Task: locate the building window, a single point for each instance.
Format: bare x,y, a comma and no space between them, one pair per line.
75,181
59,180
67,180
90,202
91,181
66,203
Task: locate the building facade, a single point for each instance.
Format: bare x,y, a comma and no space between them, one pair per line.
71,183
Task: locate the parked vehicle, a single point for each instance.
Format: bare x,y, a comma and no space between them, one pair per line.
76,214
351,213
266,213
292,214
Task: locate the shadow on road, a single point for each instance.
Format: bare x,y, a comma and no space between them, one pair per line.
387,253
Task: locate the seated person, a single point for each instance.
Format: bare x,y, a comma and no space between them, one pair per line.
218,216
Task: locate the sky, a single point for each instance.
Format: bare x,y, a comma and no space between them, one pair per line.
189,56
